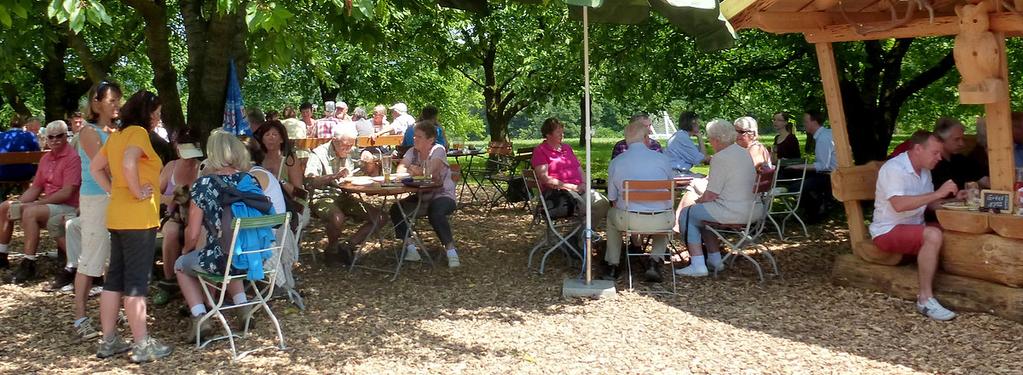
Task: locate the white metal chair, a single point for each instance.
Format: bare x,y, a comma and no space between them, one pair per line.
558,231
214,286
739,237
787,193
648,191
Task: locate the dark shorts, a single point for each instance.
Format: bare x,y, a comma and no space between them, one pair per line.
903,239
131,261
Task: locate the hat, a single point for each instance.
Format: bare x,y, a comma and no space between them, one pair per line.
189,151
400,107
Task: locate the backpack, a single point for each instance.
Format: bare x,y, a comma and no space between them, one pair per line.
230,195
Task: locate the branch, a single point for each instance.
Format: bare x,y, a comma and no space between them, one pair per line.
474,81
508,81
924,79
12,97
507,99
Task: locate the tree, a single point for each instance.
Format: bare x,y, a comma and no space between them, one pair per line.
518,55
876,81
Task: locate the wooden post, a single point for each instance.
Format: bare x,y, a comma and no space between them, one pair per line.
840,133
1001,163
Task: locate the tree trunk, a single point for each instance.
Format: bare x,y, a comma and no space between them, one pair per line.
212,42
873,97
52,78
165,77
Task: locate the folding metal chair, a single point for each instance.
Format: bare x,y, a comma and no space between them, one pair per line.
648,191
787,193
557,231
214,286
740,237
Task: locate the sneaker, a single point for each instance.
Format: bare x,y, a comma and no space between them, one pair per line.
85,331
453,261
111,348
64,277
934,310
411,254
26,271
194,327
4,263
692,270
149,350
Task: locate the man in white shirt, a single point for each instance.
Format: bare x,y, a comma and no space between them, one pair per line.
904,191
402,120
817,186
637,163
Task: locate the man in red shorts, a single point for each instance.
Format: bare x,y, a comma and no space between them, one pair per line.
904,191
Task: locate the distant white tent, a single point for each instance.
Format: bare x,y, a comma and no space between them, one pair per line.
662,128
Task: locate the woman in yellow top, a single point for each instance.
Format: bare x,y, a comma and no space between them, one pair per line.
128,168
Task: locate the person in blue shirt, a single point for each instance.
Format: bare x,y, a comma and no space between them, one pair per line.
682,153
17,139
429,113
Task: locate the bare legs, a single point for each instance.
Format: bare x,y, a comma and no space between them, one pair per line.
927,262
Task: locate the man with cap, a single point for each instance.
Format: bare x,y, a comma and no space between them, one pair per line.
341,112
402,120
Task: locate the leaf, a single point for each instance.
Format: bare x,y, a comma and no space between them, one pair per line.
5,16
100,12
70,6
78,22
53,9
19,10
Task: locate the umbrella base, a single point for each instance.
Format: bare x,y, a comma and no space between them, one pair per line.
597,289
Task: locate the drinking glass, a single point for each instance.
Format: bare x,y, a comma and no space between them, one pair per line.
385,166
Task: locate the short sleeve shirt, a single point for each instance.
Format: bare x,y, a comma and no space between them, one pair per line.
621,146
412,157
132,213
898,178
59,169
732,177
324,127
561,164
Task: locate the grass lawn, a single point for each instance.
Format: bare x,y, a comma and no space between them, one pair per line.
602,150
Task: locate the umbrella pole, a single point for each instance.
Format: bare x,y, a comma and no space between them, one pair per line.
587,287
586,116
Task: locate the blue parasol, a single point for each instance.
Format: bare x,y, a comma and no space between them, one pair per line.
234,118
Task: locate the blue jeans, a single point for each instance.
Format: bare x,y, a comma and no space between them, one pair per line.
691,219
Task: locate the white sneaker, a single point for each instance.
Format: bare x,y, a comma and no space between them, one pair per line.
411,254
453,261
692,271
934,310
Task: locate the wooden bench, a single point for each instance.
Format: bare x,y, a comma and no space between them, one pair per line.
978,271
26,157
383,140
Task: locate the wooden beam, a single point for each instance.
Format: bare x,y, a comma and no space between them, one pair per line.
1001,162
840,133
957,292
790,22
920,27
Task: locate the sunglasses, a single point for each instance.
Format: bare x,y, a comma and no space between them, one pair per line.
58,136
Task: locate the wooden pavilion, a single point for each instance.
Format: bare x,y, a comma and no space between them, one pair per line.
982,255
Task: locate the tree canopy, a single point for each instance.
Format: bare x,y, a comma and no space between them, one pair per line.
494,76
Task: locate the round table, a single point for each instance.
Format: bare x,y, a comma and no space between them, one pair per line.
391,192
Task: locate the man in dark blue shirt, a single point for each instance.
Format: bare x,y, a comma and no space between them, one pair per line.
17,139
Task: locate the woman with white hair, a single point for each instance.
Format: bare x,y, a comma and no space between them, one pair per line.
749,138
726,200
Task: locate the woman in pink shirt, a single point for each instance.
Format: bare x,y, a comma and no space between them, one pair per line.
557,168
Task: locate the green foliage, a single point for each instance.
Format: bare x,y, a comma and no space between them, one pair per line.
77,12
